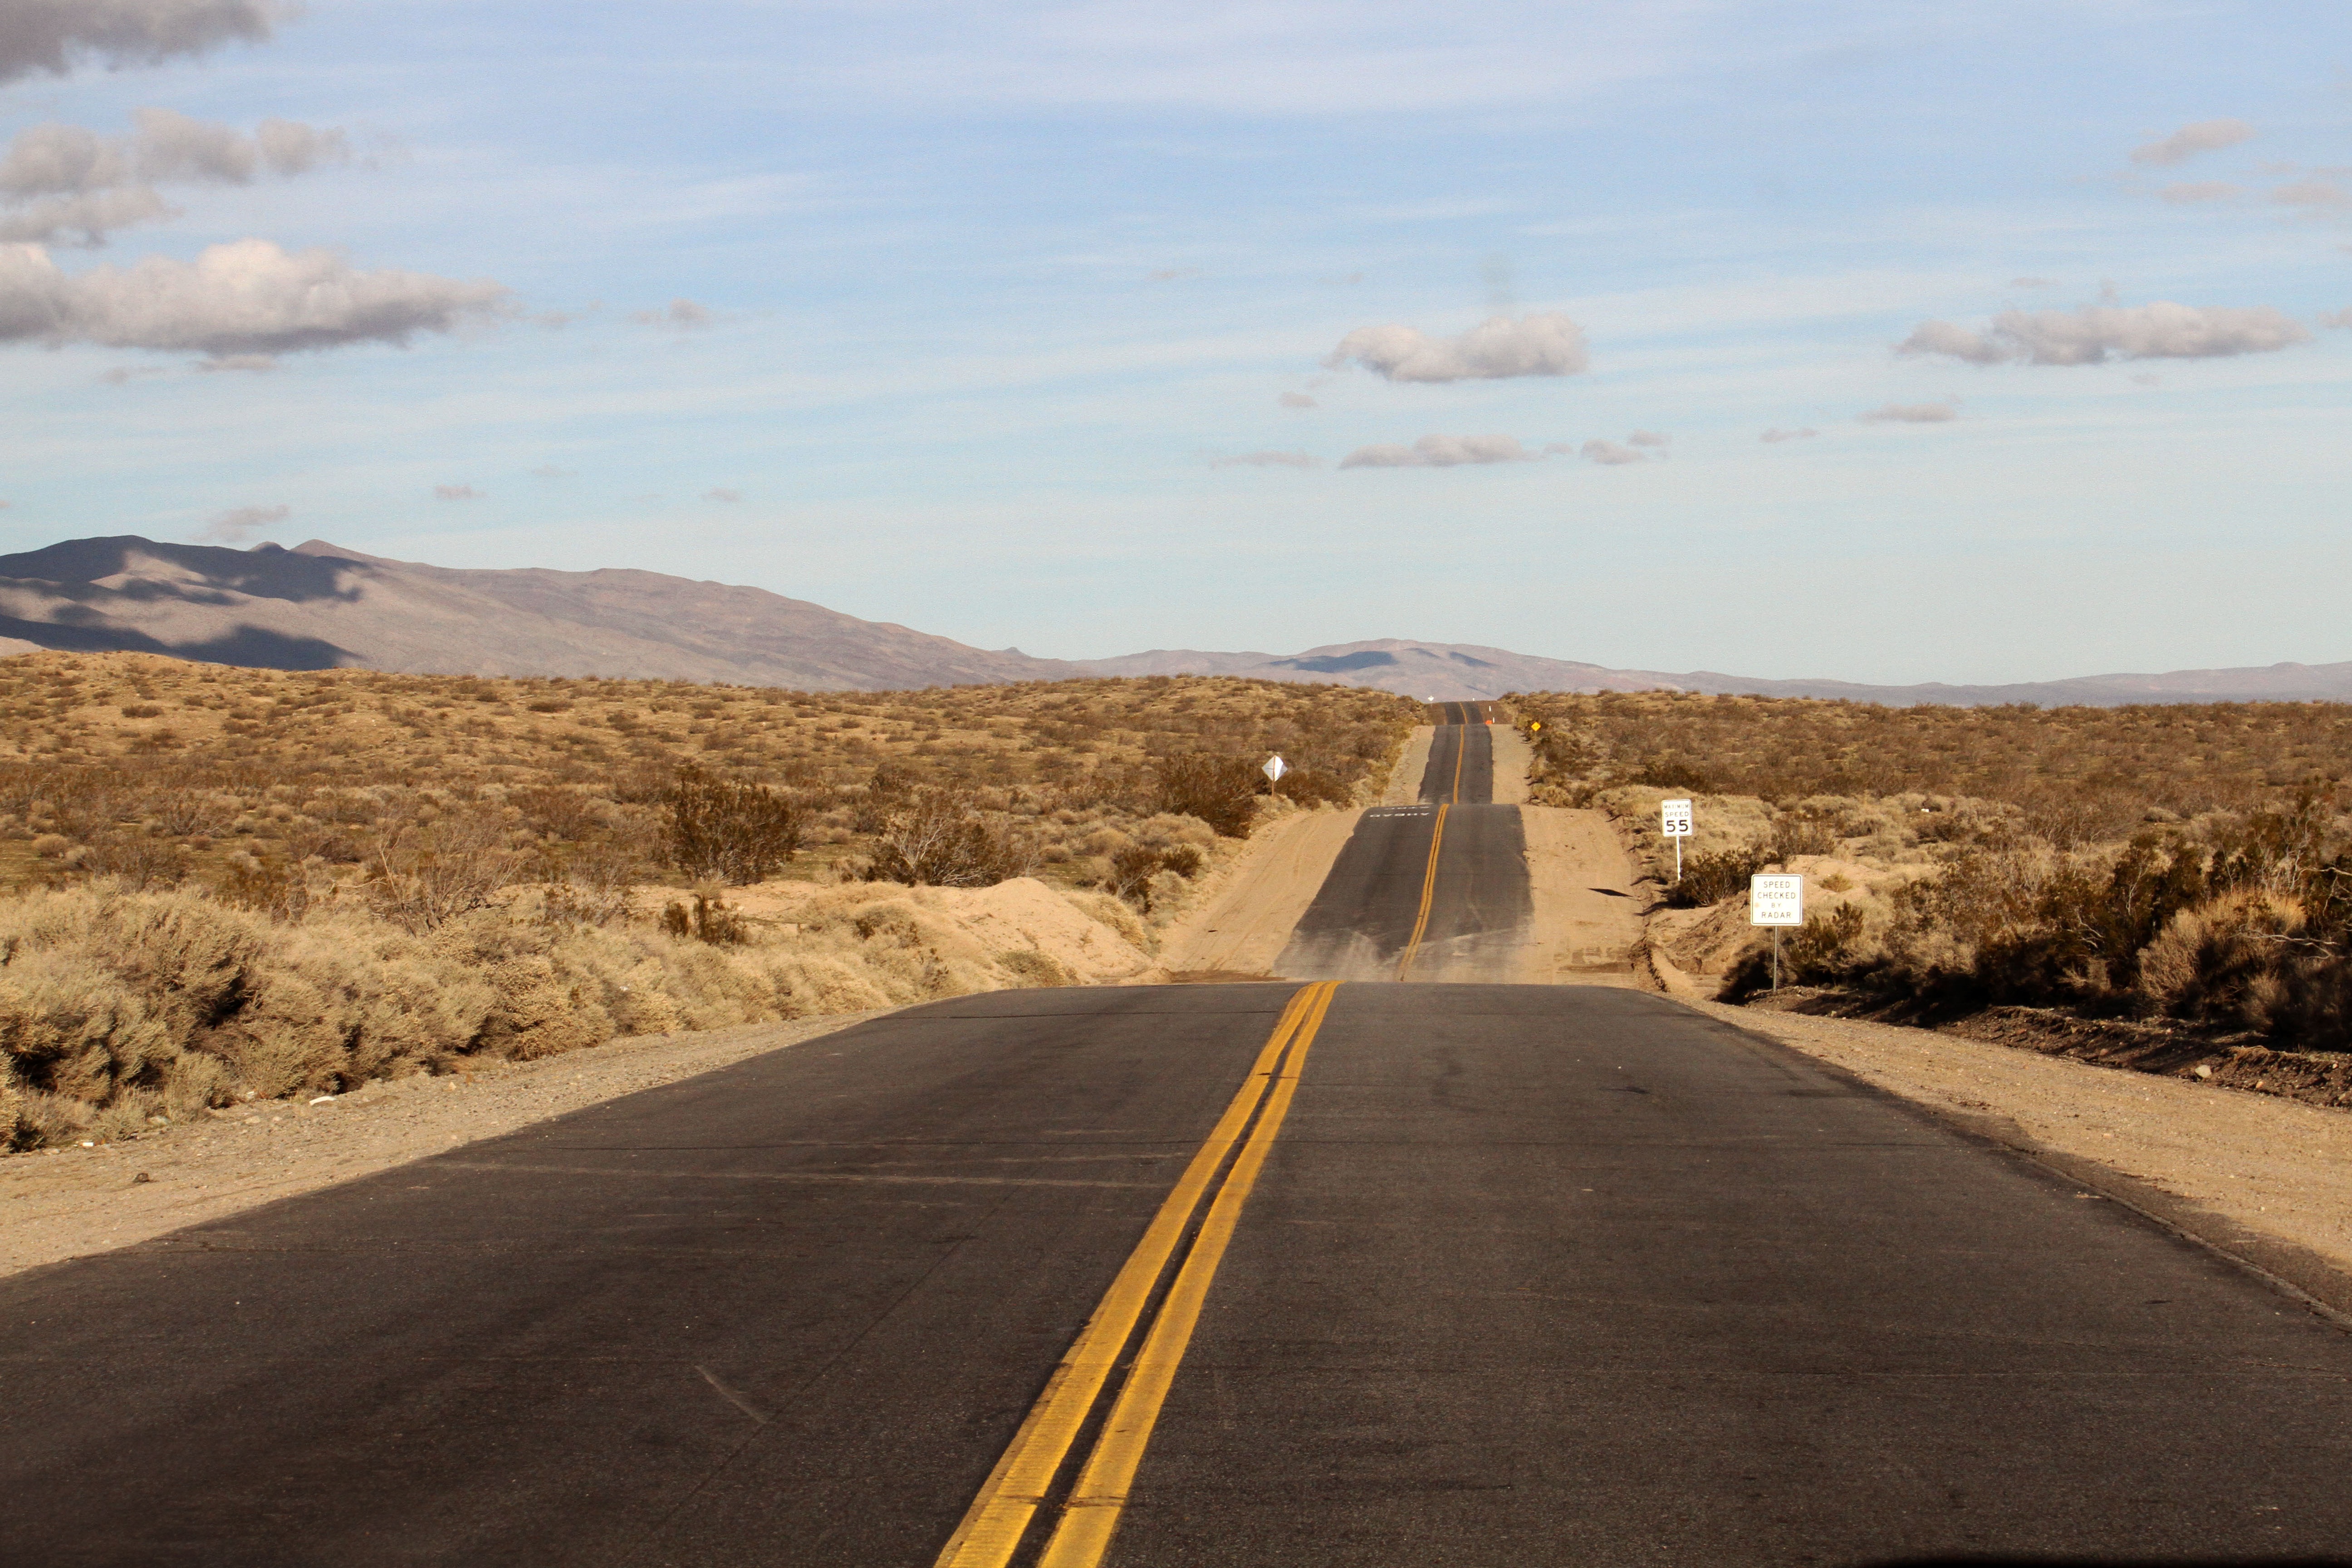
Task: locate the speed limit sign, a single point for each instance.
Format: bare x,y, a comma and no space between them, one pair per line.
1676,817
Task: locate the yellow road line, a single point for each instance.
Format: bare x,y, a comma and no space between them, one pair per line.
1461,746
1092,1514
993,1527
1428,894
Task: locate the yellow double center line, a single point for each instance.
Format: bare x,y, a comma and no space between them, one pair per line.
1428,896
999,1516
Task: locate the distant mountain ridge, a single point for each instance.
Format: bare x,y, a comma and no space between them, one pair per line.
323,606
1464,671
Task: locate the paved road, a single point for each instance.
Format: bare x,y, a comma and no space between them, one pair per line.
1520,1276
1436,892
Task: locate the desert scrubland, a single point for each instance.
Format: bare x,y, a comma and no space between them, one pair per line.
2184,867
221,885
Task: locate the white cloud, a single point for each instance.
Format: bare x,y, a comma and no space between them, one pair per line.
2336,318
2311,193
2096,333
73,186
250,364
236,526
1647,438
1270,460
2033,282
682,315
1912,413
1297,400
722,495
2204,136
455,492
1170,274
248,296
84,220
1610,453
55,35
2189,192
1440,452
52,160
1495,349
550,471
1775,435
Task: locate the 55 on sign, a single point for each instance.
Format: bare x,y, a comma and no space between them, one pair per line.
1674,822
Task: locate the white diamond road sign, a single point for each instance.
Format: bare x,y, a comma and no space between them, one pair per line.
1778,900
1274,768
1677,816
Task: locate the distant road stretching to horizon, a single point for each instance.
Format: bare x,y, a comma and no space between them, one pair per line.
1314,1272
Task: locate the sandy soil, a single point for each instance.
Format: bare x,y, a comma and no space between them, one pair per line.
1587,913
1404,784
2273,1167
1513,758
64,1203
1241,927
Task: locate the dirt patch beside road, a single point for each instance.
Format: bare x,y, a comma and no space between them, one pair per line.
2271,1165
57,1204
1240,928
1405,783
1513,758
1588,911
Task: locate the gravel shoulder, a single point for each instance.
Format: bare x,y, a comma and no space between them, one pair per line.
2276,1168
61,1203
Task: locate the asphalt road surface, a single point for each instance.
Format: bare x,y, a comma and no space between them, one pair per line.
1496,1276
1435,891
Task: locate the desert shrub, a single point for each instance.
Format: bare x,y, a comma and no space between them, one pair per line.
1671,771
135,861
1817,952
1029,967
425,873
1716,874
708,920
1221,791
1314,786
942,838
732,831
1134,867
887,790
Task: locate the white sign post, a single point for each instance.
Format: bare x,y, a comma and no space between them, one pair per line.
1274,768
1674,819
1778,901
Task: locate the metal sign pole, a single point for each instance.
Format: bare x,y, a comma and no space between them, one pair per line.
1776,958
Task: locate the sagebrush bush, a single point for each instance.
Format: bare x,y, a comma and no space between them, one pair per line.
1221,791
735,831
942,839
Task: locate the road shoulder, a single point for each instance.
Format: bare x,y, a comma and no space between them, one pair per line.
61,1203
2268,1181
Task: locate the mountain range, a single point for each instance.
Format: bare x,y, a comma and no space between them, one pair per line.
323,606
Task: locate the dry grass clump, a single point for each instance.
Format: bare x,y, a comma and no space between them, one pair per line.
2186,863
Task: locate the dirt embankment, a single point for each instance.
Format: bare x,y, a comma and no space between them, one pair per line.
1239,927
1513,758
1588,899
1405,783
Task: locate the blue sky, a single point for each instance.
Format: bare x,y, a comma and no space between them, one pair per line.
982,319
